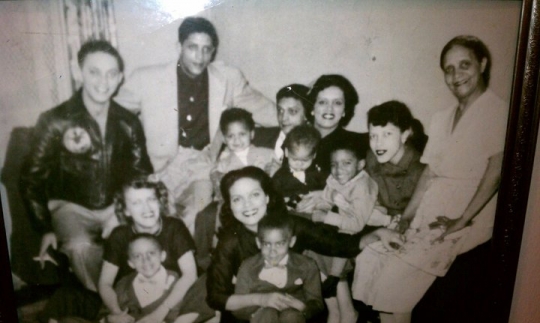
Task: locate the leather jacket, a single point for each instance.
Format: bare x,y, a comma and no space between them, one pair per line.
69,159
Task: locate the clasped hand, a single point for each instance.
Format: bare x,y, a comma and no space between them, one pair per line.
282,301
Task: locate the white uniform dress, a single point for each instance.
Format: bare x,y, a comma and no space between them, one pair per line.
394,281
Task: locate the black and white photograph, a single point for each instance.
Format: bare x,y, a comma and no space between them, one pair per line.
269,161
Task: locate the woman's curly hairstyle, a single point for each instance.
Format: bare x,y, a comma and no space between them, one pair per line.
349,94
276,204
141,182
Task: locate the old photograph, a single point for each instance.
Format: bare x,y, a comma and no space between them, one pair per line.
254,161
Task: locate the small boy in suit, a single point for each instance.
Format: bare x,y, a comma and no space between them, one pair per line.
277,270
237,126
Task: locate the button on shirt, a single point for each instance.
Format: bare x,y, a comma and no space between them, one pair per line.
193,110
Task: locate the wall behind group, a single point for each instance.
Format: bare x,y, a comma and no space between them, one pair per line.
388,49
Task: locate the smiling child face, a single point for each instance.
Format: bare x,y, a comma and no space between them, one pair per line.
238,137
145,256
345,165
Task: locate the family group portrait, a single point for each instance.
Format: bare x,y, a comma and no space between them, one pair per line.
254,161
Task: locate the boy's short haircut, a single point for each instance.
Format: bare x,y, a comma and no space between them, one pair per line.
275,222
303,135
101,46
295,91
352,147
236,115
144,236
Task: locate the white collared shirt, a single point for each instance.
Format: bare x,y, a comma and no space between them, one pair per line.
278,151
242,155
149,290
299,175
275,275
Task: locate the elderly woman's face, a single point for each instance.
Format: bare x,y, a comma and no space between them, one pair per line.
463,72
329,108
291,113
248,202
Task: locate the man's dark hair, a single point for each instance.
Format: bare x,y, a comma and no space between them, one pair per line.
278,222
192,25
236,115
303,135
295,91
95,46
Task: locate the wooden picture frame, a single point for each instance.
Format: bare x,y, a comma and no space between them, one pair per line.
520,141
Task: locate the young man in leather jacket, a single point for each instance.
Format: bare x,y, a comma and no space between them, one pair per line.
82,151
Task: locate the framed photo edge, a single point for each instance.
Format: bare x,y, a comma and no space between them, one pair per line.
518,162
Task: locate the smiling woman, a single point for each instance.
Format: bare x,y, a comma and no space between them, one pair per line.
249,196
453,207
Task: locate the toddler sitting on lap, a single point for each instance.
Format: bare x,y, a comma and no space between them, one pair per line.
298,174
237,126
349,202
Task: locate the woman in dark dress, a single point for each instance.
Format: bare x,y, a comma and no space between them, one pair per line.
333,99
248,197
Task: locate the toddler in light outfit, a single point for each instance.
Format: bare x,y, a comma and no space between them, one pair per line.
349,202
237,126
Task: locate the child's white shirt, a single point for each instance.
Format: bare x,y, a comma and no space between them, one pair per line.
275,275
148,290
299,175
243,155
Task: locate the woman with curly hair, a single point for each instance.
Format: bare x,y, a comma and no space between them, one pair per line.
142,207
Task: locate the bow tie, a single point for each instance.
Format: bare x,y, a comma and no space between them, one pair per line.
275,275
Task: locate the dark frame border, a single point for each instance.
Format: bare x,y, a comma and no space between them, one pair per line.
518,160
515,184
